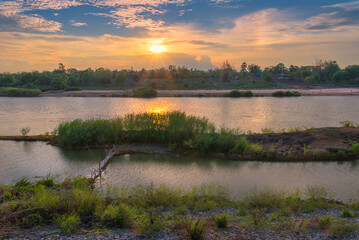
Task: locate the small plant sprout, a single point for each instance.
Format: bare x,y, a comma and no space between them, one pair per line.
24,131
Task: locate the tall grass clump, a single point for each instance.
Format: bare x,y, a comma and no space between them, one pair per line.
222,220
195,229
166,128
90,132
68,223
175,129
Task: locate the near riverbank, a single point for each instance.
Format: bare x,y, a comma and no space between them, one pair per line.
75,209
202,92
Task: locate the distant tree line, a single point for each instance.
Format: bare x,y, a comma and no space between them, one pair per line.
71,78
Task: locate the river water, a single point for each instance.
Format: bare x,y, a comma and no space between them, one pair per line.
36,159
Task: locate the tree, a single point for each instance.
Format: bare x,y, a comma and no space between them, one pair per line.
340,76
57,82
293,68
329,68
253,68
280,69
267,76
244,67
226,69
6,80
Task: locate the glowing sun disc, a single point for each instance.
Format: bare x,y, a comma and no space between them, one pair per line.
157,48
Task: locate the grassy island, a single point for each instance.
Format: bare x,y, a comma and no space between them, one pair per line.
192,135
74,206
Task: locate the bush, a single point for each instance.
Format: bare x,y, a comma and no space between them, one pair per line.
233,94
354,149
238,94
286,94
118,216
145,92
68,223
221,221
325,221
341,228
346,213
19,92
68,88
195,229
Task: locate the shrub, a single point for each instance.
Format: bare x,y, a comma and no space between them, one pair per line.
346,213
341,228
354,149
68,223
221,221
195,229
238,94
325,221
118,216
32,220
265,199
147,226
233,94
241,212
19,92
145,92
247,94
286,94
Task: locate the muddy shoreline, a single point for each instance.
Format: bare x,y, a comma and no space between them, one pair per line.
202,92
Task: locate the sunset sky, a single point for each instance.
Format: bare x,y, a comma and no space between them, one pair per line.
118,34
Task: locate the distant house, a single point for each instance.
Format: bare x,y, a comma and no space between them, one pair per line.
283,76
258,74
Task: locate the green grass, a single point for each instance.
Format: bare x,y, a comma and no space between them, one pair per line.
19,92
74,205
176,129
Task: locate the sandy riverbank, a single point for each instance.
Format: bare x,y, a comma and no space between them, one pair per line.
204,93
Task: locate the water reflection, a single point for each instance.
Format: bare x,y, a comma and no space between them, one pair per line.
44,114
38,159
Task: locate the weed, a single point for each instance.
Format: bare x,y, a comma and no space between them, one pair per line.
118,216
147,226
265,199
241,212
32,220
346,213
326,221
48,181
22,183
68,223
195,229
341,228
221,220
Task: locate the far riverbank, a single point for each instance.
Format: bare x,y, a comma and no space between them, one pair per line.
202,93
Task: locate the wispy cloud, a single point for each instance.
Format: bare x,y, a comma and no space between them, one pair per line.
13,18
77,24
134,17
183,11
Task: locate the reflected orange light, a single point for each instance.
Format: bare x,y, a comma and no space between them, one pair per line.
157,109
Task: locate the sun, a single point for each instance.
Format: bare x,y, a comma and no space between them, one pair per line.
157,48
